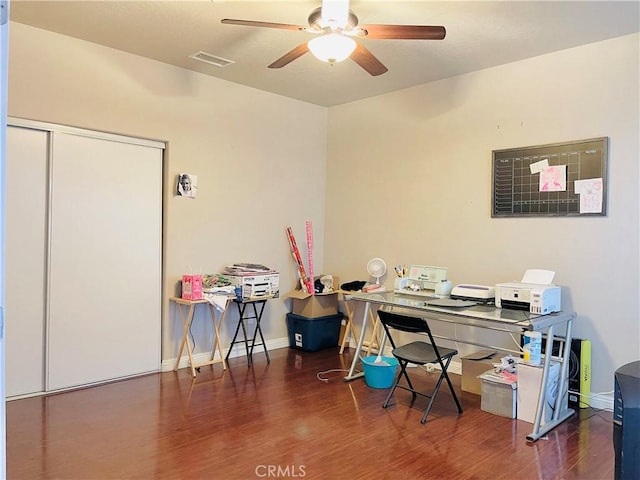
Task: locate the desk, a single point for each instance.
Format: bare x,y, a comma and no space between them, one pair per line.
187,319
487,317
244,316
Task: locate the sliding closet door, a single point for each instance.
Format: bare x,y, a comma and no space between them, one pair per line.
105,260
26,210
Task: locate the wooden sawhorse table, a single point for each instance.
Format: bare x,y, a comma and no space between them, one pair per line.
187,308
350,332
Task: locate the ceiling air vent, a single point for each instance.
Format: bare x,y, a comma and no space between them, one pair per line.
212,59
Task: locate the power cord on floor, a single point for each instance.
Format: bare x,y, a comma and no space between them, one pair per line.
326,380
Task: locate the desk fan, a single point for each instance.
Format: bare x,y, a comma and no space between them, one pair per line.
376,268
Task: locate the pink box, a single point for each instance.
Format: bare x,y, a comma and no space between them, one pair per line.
192,287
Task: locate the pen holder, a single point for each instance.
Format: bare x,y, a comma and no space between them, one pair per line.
400,283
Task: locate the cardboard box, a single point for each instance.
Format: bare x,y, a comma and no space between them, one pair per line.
314,306
529,379
475,365
498,395
257,286
311,334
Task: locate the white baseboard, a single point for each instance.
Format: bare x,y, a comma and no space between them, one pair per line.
236,351
601,401
455,367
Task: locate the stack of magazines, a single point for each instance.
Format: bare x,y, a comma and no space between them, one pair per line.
245,269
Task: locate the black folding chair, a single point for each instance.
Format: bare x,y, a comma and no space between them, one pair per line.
418,352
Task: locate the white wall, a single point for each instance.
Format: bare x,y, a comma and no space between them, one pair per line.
409,180
260,158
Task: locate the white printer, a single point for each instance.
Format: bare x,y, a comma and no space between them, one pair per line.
534,293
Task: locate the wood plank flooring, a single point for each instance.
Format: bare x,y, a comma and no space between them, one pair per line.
281,421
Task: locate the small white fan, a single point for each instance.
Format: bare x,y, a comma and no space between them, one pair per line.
376,268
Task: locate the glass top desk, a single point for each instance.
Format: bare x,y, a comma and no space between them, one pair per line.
486,317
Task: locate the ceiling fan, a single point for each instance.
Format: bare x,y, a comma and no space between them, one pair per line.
335,26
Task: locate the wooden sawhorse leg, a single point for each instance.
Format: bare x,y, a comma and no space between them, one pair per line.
186,326
216,331
373,343
350,331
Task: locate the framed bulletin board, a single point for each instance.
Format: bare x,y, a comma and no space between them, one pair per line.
560,179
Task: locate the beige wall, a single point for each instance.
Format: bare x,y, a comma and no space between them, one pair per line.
408,174
260,158
409,180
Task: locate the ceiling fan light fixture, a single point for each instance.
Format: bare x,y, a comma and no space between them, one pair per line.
332,47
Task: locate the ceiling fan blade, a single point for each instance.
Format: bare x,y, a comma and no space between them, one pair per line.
367,60
290,56
251,23
404,32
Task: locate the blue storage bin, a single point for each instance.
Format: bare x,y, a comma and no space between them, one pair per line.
311,334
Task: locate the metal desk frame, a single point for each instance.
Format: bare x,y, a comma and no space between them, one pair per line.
487,317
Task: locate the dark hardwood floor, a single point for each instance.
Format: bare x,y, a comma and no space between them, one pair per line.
281,421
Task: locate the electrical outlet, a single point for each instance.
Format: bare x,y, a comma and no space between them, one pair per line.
430,367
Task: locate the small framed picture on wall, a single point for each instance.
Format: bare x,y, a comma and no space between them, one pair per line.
187,185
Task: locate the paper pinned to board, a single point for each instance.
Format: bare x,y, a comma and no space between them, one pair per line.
539,277
591,194
553,179
540,166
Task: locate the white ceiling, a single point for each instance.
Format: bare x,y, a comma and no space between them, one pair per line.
480,34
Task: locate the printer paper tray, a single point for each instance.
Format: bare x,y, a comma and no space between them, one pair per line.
513,305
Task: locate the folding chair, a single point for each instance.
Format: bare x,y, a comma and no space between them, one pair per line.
418,352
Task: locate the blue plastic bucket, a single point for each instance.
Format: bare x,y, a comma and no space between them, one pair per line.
382,374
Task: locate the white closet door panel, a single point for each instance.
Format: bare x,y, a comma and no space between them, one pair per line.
26,209
105,266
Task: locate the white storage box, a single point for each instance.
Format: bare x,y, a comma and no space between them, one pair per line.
257,286
498,395
529,380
